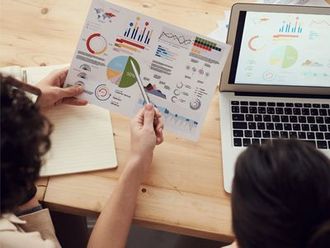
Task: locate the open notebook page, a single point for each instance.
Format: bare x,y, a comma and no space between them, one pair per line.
82,139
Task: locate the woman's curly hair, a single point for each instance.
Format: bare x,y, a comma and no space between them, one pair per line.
24,140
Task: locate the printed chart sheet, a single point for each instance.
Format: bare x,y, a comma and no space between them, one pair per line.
179,69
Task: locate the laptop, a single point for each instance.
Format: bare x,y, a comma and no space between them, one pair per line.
276,83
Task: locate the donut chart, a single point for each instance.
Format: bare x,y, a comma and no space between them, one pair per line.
120,71
195,104
102,92
96,43
256,43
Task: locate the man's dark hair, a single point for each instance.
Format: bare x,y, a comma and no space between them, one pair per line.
24,140
281,196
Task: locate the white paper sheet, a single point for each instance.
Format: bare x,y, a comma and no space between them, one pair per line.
36,73
179,69
221,32
14,71
82,140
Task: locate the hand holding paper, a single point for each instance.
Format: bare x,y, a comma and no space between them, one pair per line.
53,92
146,133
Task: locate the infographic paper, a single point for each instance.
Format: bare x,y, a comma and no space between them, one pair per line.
179,69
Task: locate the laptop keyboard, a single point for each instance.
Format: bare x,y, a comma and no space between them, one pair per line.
256,122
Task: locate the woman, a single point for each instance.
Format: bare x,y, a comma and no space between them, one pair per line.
281,196
25,140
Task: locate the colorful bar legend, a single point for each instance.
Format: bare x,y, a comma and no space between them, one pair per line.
205,44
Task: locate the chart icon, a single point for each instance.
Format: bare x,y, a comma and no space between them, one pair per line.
96,43
268,75
85,67
195,104
175,38
102,92
144,31
120,71
284,56
256,43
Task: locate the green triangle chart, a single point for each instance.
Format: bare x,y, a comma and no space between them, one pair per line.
284,56
120,71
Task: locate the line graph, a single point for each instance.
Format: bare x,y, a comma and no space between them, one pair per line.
174,38
180,39
323,23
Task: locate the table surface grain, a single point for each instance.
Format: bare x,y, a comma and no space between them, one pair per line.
183,191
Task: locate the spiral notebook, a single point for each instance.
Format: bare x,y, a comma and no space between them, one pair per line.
82,139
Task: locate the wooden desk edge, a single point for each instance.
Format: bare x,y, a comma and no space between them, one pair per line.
146,223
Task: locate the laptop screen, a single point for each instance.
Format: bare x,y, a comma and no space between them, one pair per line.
282,49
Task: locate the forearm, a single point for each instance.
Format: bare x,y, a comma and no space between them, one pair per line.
113,224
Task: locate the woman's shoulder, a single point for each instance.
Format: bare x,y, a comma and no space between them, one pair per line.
12,235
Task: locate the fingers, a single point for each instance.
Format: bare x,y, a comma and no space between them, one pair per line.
139,115
159,139
62,75
149,115
57,77
71,91
158,114
137,121
74,101
158,122
159,126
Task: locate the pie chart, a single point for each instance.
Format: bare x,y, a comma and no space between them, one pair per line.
284,56
120,71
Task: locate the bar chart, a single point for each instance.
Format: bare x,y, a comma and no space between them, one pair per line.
139,33
288,27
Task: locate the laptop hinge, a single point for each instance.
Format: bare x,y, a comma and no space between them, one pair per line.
281,95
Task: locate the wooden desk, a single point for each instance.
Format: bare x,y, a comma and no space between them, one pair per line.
183,192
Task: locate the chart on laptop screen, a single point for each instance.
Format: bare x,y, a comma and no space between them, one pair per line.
285,49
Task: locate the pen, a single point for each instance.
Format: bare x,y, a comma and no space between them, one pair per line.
144,94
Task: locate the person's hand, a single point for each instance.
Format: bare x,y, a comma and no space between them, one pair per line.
146,132
53,92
